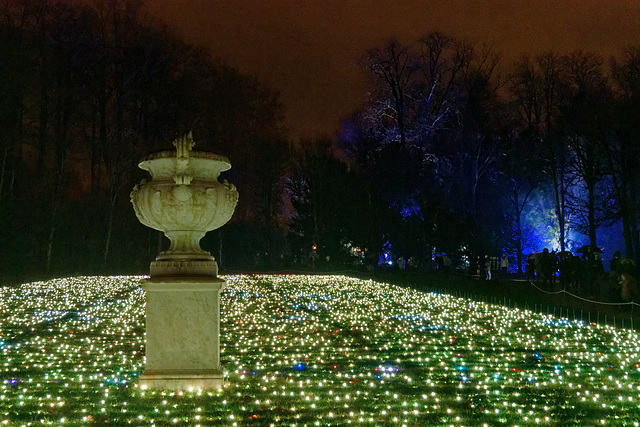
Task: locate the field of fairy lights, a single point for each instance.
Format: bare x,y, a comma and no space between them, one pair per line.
314,350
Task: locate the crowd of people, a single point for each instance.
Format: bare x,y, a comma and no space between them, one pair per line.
584,274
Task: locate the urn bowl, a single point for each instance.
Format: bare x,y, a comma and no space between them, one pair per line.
184,200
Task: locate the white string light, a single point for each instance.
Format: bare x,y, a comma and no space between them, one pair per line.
314,350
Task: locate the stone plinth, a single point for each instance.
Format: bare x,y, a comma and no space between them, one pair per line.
184,200
183,333
184,268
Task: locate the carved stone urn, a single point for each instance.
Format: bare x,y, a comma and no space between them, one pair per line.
184,200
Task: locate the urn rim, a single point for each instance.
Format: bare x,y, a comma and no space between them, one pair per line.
168,154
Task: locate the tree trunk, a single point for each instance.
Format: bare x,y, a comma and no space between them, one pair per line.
2,170
107,243
635,237
559,196
628,235
51,238
56,202
515,200
591,216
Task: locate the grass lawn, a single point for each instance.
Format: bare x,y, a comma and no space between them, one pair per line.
316,350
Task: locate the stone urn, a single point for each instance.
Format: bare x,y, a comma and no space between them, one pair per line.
184,200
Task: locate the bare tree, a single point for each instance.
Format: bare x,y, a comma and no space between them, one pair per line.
584,126
395,65
443,62
538,89
623,147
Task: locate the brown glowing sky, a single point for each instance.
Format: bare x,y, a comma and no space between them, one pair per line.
308,49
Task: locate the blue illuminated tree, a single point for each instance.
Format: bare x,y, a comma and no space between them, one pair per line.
538,95
521,164
584,126
429,129
395,66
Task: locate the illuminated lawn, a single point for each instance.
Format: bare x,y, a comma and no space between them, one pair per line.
302,350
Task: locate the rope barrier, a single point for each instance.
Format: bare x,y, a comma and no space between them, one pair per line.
546,292
291,271
424,288
354,272
563,291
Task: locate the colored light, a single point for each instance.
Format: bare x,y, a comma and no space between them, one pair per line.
314,350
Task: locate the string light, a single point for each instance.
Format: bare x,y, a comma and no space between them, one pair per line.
314,350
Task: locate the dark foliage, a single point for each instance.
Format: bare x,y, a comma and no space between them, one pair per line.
445,156
87,90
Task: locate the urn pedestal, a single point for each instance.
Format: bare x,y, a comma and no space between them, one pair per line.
183,334
184,200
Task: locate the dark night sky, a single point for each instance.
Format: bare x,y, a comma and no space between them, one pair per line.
308,49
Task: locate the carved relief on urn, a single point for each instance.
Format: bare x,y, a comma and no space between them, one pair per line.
184,200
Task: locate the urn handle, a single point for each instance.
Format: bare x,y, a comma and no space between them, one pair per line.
184,145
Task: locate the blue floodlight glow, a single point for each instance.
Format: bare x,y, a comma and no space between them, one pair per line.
409,209
540,230
386,256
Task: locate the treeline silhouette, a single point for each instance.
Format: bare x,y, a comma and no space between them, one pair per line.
85,91
446,154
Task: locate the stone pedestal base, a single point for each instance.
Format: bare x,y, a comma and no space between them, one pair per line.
183,334
187,268
182,380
